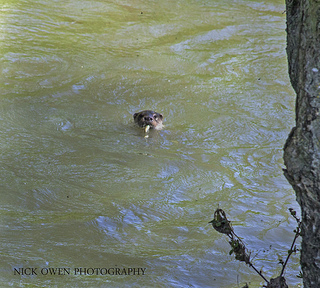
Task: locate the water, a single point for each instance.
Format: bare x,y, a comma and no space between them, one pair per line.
80,185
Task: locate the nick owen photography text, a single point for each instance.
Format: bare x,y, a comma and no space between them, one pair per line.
29,271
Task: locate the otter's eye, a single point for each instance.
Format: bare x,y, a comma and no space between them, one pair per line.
140,116
155,116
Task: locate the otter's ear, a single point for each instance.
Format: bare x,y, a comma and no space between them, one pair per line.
161,116
135,115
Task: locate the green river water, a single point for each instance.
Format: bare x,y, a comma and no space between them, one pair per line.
81,187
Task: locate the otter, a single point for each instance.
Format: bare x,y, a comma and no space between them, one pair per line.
149,118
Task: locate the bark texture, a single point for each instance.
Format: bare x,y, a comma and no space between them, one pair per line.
302,149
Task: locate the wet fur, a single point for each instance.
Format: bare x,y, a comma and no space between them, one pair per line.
149,117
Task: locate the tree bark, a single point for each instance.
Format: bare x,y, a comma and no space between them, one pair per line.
302,148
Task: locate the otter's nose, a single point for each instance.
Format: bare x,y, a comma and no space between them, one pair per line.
147,118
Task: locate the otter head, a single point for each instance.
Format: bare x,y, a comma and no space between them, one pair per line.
148,117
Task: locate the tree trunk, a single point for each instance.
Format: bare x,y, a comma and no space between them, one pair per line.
302,149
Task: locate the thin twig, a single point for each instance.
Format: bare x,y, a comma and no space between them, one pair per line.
255,269
291,248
